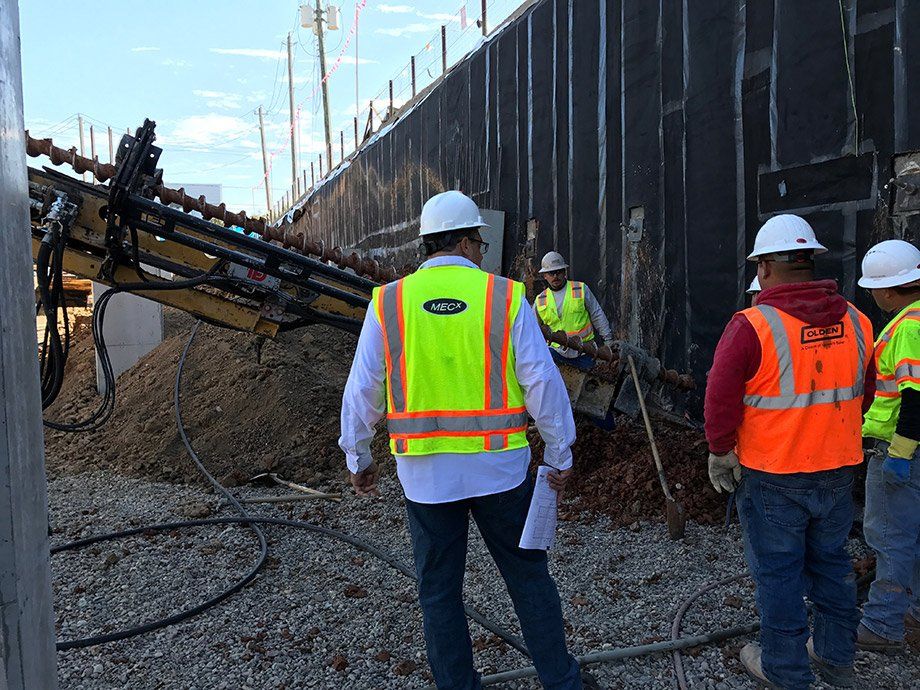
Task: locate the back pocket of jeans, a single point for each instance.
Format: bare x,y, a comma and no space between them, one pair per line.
784,507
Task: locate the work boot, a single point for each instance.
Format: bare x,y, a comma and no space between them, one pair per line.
589,682
868,641
837,676
750,658
911,624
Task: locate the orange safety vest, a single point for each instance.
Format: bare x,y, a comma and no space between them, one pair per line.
803,407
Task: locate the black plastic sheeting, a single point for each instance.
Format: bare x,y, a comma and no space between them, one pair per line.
702,119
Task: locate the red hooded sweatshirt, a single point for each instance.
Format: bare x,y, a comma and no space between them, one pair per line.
737,355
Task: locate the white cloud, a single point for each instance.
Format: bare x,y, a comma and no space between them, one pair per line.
262,53
144,49
406,30
207,131
395,9
220,99
178,64
440,17
350,60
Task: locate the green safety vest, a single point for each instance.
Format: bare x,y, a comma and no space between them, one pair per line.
897,366
575,319
451,385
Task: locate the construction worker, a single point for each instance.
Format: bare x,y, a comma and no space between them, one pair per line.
891,272
568,305
456,360
783,412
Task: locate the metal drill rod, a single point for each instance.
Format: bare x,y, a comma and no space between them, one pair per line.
606,354
285,233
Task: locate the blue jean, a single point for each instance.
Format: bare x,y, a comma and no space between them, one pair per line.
439,540
892,529
795,529
583,362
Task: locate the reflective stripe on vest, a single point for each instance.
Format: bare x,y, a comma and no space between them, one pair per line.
498,340
788,399
496,421
390,316
453,424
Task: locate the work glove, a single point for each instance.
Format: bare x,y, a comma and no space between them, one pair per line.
896,466
724,471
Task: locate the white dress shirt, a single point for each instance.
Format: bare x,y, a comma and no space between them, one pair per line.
445,477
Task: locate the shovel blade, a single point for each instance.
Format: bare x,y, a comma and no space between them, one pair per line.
676,519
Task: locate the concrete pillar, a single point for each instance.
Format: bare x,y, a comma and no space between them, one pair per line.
27,654
133,327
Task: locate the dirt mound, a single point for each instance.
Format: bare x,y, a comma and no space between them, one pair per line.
252,405
615,473
249,404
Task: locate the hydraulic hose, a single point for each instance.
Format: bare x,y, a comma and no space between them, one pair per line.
629,652
679,675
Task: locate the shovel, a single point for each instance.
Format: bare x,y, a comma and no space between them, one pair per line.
674,511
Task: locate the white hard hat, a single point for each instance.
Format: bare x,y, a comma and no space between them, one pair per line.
552,261
890,264
785,233
450,211
754,286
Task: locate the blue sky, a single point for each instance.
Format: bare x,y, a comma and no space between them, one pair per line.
201,69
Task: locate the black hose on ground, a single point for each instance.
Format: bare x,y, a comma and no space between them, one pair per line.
679,676
629,652
251,521
680,679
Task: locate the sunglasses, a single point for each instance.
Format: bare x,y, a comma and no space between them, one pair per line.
483,246
555,273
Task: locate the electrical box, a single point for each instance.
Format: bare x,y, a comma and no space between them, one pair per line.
333,16
308,17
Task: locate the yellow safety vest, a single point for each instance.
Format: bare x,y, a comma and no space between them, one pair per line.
575,319
451,386
897,366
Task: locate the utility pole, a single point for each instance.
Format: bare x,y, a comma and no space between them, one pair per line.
80,125
92,151
485,30
443,49
266,179
293,124
27,654
325,84
111,147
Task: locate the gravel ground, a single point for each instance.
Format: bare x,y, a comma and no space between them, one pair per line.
324,615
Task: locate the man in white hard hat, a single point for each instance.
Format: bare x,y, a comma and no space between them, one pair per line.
454,358
568,305
790,380
891,272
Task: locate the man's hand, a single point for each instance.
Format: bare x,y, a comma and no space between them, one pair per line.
557,480
896,466
724,471
365,481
